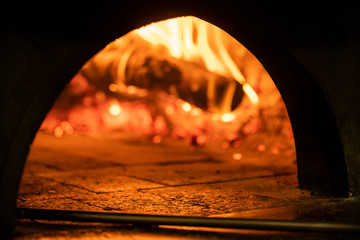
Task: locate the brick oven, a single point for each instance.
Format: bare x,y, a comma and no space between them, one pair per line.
310,51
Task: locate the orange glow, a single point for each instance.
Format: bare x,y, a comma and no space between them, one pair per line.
114,109
58,132
131,89
237,156
159,124
251,93
113,87
261,148
157,139
170,110
66,127
228,117
192,39
178,35
201,140
225,145
182,77
186,107
195,112
215,117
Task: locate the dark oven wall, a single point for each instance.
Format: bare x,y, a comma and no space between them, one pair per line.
310,51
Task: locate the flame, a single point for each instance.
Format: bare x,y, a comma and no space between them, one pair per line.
251,93
191,38
117,94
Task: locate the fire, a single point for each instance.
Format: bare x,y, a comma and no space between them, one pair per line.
178,78
178,36
191,39
251,93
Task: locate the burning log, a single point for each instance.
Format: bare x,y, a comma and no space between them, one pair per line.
152,71
147,77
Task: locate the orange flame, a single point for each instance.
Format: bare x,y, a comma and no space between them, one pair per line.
191,38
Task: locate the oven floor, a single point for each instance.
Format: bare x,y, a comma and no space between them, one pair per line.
134,175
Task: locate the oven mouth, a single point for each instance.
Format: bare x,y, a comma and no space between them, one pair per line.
149,122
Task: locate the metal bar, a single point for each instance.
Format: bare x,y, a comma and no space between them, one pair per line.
236,223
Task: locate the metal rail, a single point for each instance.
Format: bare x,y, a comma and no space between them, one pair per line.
235,223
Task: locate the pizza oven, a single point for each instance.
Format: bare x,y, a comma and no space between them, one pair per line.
309,51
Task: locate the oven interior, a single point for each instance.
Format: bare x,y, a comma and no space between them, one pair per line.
145,129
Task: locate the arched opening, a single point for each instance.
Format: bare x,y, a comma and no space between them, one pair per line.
176,114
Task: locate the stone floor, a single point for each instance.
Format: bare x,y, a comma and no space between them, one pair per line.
134,175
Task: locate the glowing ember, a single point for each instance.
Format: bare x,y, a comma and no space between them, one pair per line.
113,87
253,126
58,132
186,107
66,127
201,140
228,117
261,148
114,109
157,139
275,150
237,156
